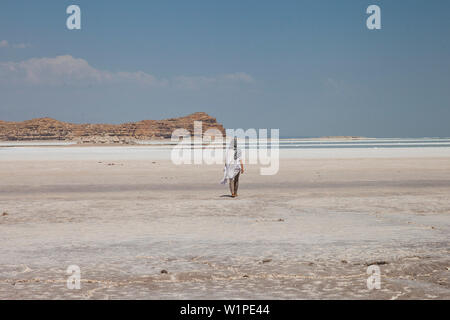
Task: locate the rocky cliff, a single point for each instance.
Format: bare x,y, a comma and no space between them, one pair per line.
51,129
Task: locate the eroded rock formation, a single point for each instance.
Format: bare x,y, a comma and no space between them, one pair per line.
51,129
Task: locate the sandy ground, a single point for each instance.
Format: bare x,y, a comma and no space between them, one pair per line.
308,232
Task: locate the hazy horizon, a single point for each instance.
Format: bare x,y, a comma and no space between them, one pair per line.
308,68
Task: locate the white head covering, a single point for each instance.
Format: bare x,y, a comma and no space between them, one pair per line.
232,161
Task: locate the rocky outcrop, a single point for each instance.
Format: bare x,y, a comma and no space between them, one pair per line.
132,132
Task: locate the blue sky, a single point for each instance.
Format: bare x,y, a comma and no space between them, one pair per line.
309,68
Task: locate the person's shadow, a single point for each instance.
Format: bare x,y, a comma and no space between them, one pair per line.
226,196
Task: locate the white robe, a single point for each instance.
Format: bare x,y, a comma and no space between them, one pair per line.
232,166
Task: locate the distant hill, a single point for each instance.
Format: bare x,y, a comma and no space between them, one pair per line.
51,129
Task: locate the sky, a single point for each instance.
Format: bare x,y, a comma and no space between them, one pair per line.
308,68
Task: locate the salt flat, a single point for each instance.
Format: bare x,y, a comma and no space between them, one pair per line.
123,214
